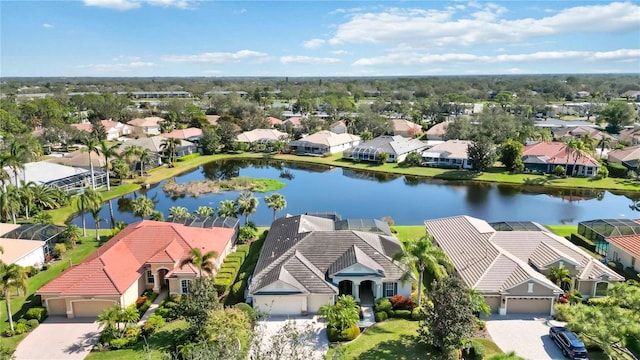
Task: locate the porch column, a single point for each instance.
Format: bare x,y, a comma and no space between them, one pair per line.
156,282
356,290
377,291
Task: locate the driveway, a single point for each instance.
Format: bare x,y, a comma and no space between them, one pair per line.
527,335
317,343
59,338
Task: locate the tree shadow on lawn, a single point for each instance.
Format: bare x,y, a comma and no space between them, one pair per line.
406,348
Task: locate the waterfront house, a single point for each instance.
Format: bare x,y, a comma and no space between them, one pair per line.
449,154
324,142
628,157
398,147
545,156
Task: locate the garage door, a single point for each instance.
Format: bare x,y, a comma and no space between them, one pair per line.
528,306
90,308
57,307
279,305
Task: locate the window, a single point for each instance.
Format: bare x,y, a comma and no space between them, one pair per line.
389,289
185,285
530,288
601,289
150,279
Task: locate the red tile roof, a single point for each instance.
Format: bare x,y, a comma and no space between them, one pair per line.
83,127
274,121
183,133
556,152
629,243
116,265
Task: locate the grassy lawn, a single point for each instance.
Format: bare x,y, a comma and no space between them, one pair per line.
20,304
563,230
409,232
159,343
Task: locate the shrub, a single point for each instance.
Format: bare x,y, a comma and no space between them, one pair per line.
381,316
8,333
31,271
558,170
617,170
383,304
33,323
121,343
140,301
418,314
152,324
403,314
391,313
144,307
21,328
59,250
163,312
481,324
38,313
583,241
603,173
400,302
222,285
244,248
350,333
247,309
474,350
170,305
602,301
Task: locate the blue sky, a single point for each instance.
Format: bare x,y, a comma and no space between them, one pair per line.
316,38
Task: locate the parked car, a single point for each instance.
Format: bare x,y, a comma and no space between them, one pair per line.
568,342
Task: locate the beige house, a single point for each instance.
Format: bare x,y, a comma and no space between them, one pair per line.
437,131
145,255
148,125
324,142
405,128
22,252
628,156
451,153
625,250
261,136
509,267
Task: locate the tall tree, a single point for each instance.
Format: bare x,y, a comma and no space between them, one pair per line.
422,255
12,277
16,157
617,115
95,212
228,208
604,143
27,196
247,205
88,199
121,170
511,155
574,150
169,147
145,157
142,206
276,202
560,276
108,151
205,263
481,154
91,146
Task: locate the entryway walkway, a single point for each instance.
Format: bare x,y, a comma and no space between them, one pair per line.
154,306
368,318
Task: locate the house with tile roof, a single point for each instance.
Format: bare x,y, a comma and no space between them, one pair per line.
274,121
148,125
339,127
577,132
22,252
324,142
144,255
307,260
630,136
545,156
509,267
437,131
449,154
629,157
625,250
190,134
405,128
398,147
261,136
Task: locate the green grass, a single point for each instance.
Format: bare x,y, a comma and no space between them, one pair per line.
409,232
158,343
490,347
563,230
249,264
20,304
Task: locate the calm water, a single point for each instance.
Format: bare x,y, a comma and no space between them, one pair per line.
409,201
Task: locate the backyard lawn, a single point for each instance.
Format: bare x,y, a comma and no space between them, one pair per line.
409,232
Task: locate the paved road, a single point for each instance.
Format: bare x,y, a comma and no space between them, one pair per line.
317,344
59,338
527,335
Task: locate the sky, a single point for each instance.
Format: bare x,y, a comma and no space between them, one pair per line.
156,38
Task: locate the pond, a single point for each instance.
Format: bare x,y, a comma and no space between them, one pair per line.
363,194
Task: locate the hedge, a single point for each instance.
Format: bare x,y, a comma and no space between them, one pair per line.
381,316
188,157
348,334
617,170
242,249
403,314
583,241
222,285
38,313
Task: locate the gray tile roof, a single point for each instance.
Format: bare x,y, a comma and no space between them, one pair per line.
310,249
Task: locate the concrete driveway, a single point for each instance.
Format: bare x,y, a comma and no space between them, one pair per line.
59,338
317,343
527,335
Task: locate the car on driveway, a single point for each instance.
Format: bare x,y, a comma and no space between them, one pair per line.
568,342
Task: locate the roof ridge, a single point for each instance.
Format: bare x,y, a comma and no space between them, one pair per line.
495,259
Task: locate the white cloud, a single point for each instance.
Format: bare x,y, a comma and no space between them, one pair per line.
216,57
116,68
126,58
419,28
240,11
313,43
47,26
340,52
307,60
133,4
408,59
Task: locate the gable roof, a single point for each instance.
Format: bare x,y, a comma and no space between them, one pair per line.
15,249
327,138
402,125
450,149
438,129
397,145
153,143
117,264
78,158
146,122
630,153
628,243
260,134
555,153
183,133
311,250
274,121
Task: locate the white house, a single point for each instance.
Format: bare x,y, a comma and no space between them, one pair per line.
22,252
451,153
625,250
148,125
324,142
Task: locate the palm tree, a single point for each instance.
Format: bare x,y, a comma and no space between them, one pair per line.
560,276
589,143
422,255
604,143
247,204
70,233
204,211
91,144
88,199
27,195
121,169
276,202
44,197
108,151
10,203
170,145
14,158
95,212
341,315
4,174
12,277
145,157
574,149
203,262
228,208
131,153
143,206
179,212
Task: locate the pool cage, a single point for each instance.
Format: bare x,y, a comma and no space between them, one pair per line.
73,183
517,226
368,225
48,233
362,153
599,230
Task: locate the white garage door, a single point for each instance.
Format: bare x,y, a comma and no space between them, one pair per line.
57,307
90,308
528,306
280,305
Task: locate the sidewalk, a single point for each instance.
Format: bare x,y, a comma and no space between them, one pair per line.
154,305
368,317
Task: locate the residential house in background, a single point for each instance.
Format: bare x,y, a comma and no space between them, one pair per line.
578,132
156,94
213,119
147,126
632,95
294,122
324,142
113,129
630,136
155,145
405,128
449,154
509,267
144,255
275,122
306,261
80,159
20,251
628,157
46,235
437,131
261,136
398,147
339,127
625,250
191,134
545,156
67,178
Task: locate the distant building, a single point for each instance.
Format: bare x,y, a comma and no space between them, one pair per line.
148,125
405,128
156,94
324,142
